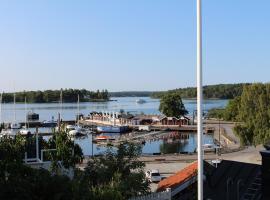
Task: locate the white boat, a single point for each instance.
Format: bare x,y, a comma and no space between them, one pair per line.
49,123
15,125
25,132
140,101
112,129
74,130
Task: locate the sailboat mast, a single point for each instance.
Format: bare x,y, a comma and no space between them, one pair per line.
61,104
14,106
78,109
25,107
1,99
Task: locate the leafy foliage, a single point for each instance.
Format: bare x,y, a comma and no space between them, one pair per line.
18,181
221,91
67,151
171,105
120,171
117,175
252,109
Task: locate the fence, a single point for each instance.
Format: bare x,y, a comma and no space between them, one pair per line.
166,195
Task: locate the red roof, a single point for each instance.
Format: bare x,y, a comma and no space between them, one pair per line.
178,178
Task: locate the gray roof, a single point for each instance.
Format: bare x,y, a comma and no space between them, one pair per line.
231,175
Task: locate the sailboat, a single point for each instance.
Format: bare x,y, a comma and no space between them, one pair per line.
14,124
1,97
25,131
76,129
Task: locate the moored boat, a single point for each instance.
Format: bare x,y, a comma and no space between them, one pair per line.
103,138
31,116
140,101
112,129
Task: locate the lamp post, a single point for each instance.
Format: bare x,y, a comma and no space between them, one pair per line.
199,101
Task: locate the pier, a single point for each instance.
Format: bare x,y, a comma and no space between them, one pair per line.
184,128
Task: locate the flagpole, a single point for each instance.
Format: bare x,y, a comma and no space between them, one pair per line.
199,101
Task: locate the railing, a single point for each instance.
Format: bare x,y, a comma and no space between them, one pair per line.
41,160
166,195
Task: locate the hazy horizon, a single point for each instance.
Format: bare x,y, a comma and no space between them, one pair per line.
130,46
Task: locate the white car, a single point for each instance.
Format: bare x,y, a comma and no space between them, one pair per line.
153,175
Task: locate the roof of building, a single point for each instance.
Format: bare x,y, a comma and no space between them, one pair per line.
178,178
229,176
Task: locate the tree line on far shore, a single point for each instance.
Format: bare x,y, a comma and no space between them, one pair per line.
220,91
252,111
52,96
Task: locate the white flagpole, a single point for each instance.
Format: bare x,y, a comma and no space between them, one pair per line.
199,101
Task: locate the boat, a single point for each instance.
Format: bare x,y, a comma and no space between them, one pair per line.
140,101
14,124
31,116
112,129
49,123
101,138
25,132
74,130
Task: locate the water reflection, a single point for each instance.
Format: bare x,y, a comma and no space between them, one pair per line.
173,147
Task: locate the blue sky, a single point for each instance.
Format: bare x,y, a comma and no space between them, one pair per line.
130,44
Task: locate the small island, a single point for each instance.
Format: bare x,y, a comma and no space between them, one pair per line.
53,96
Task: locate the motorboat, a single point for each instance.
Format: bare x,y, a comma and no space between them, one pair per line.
15,125
140,101
31,116
49,123
112,129
101,138
25,132
9,132
74,130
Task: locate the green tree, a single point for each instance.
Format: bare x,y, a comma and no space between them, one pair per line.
122,169
171,105
67,151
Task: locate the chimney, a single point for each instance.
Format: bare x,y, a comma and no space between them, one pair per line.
265,174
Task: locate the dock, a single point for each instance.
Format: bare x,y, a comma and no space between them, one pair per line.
185,128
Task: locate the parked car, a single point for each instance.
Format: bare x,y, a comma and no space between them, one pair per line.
153,175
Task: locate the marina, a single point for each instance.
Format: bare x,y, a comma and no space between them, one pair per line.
154,139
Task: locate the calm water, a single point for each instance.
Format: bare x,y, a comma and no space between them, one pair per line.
69,110
150,147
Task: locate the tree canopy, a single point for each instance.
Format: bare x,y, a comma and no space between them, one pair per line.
220,91
253,111
118,174
171,105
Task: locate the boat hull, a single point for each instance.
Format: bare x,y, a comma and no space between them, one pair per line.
112,129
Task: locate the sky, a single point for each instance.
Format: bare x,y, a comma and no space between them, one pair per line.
128,45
